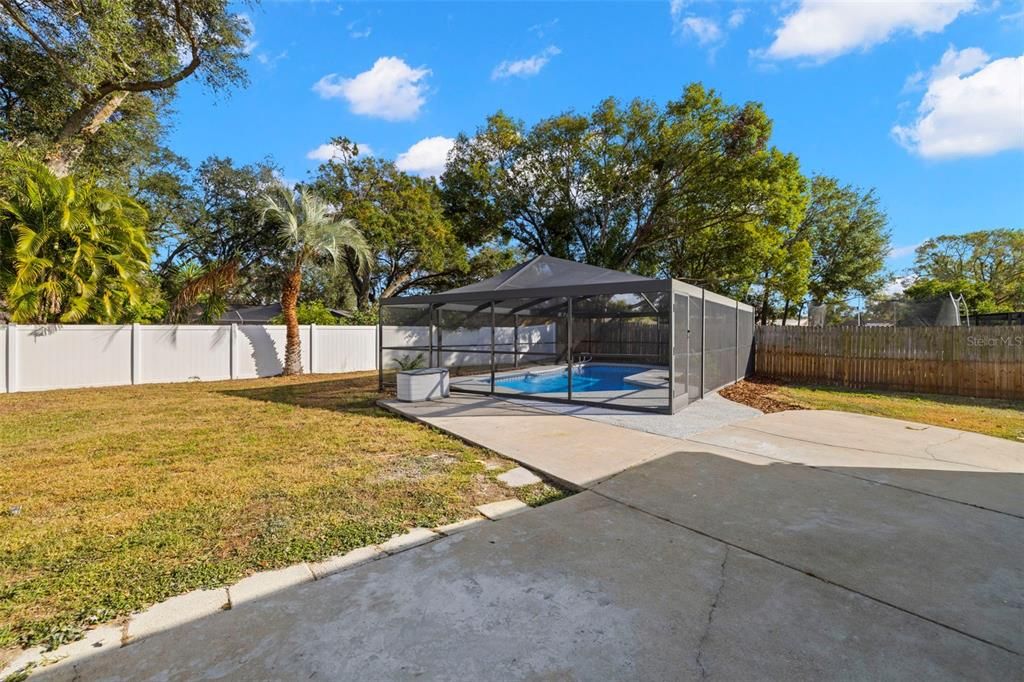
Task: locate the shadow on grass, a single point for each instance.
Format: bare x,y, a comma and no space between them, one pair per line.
355,394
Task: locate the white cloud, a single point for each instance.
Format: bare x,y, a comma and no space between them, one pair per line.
427,157
328,152
524,68
903,251
250,42
972,107
542,29
391,90
271,61
821,30
705,30
736,18
895,287
355,32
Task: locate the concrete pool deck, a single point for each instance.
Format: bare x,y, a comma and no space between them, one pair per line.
556,445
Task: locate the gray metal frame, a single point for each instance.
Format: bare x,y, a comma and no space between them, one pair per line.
491,300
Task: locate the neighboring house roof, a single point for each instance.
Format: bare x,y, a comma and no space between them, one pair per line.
250,314
261,314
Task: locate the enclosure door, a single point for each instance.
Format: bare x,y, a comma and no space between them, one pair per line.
680,351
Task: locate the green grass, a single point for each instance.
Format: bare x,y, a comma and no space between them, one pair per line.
1000,418
114,499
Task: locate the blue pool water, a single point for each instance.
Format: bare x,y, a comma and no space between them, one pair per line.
587,378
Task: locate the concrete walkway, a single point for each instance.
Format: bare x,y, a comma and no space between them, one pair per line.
810,545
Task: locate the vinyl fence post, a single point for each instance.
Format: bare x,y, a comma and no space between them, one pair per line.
136,354
11,360
233,352
380,347
312,349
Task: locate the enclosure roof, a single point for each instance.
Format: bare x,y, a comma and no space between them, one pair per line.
548,271
546,274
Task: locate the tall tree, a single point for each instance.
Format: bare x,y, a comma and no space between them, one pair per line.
413,244
623,186
985,259
70,251
309,232
68,69
849,237
210,218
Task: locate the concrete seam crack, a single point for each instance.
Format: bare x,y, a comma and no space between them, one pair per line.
808,573
711,616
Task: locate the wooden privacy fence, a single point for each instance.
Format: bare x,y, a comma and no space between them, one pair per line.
982,362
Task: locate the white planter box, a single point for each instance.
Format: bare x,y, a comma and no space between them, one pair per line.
423,384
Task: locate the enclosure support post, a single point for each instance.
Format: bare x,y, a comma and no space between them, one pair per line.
493,323
568,341
440,338
136,354
380,348
671,349
737,340
233,352
12,358
515,340
430,335
703,336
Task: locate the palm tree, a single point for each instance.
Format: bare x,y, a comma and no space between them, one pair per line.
309,232
70,250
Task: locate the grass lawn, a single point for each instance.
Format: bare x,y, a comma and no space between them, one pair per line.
113,499
1000,418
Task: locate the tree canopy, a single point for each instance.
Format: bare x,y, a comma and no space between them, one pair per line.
986,266
68,70
413,243
628,186
69,251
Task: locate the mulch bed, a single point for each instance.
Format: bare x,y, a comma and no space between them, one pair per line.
761,394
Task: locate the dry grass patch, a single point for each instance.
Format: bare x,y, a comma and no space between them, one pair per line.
114,499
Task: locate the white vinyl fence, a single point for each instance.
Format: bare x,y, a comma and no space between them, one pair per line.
44,357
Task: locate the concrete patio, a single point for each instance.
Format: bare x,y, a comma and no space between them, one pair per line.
805,545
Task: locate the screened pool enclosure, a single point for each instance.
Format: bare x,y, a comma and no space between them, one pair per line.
552,329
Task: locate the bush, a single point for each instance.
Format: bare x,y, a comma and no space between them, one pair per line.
311,312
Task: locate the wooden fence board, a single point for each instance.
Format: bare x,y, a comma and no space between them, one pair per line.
982,362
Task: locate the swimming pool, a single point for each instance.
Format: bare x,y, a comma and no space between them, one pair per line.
584,379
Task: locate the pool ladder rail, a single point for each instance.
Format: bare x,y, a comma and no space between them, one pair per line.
581,360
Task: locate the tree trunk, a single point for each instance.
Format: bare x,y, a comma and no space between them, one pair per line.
785,312
395,285
78,128
764,306
289,301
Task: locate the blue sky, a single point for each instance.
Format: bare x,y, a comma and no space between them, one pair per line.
920,100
